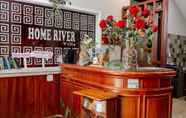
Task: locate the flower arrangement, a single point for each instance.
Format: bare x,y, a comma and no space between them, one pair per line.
139,24
113,31
138,27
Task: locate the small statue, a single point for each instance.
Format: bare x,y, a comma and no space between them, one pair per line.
103,58
85,55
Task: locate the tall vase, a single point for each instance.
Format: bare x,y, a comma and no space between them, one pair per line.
129,58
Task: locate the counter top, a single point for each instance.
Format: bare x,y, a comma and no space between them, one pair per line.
143,72
32,71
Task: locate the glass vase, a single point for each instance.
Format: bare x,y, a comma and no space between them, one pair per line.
129,58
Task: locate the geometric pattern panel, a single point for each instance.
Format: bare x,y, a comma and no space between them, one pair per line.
16,49
28,14
38,61
4,11
16,12
16,34
49,17
49,61
176,50
16,17
59,19
67,20
83,22
4,33
39,16
57,53
75,21
91,23
4,49
28,49
82,33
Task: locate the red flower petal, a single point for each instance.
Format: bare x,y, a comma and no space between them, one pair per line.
146,12
154,28
110,18
139,23
134,10
102,24
121,24
104,40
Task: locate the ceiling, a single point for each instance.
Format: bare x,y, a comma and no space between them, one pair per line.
181,4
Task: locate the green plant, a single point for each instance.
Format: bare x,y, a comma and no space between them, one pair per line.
68,111
133,1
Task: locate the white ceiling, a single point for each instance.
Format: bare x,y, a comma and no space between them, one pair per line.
181,4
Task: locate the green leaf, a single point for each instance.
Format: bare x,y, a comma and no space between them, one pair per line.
62,103
77,116
66,112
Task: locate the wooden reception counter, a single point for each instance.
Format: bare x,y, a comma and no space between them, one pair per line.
146,93
29,93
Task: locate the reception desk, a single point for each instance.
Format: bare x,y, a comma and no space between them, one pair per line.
146,93
29,93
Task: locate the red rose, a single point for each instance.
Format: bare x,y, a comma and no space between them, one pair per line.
121,24
134,10
104,40
154,28
146,12
102,24
110,18
139,23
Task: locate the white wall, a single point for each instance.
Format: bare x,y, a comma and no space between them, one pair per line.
106,7
176,21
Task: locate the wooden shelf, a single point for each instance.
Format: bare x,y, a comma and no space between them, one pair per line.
97,103
95,94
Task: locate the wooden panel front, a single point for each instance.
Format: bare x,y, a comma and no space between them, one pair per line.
130,107
28,97
133,102
158,106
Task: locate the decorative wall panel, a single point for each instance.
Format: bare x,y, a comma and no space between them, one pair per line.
25,27
176,50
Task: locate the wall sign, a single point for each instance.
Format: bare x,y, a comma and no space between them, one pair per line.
26,27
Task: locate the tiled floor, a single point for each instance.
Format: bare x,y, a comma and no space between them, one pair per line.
179,108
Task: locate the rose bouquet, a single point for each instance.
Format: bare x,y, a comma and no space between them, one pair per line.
112,31
137,27
140,24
